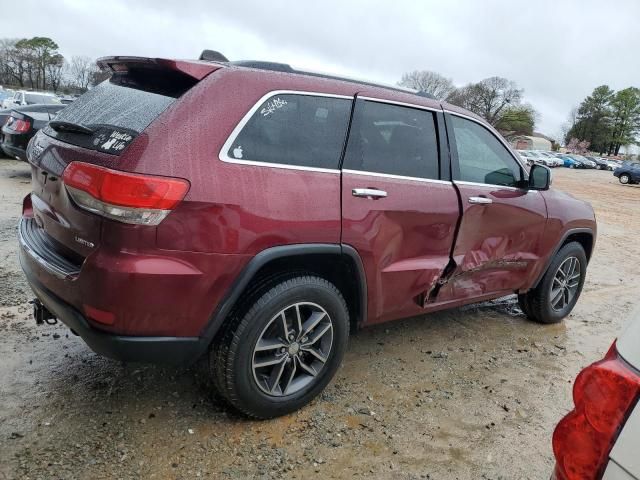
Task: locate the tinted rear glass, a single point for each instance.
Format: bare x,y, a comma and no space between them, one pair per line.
295,129
393,139
117,106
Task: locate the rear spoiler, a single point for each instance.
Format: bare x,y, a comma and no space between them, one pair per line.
195,69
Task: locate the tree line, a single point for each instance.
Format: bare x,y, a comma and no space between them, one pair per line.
496,99
606,120
37,64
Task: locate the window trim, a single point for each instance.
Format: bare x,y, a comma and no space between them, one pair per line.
525,174
455,162
224,156
442,150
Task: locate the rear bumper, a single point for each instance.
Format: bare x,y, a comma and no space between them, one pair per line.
159,313
167,350
14,152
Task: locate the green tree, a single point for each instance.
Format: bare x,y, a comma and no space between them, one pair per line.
517,118
592,122
626,119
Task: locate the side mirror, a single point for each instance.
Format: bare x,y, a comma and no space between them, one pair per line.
539,177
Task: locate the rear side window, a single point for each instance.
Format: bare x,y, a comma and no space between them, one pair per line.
392,139
481,156
294,129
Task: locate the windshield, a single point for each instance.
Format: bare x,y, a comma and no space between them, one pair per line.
32,98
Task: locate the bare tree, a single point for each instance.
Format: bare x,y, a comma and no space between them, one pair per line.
430,82
488,98
80,71
55,69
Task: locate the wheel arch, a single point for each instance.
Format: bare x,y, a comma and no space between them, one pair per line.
309,258
584,236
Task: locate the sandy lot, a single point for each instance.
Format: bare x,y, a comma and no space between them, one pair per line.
472,393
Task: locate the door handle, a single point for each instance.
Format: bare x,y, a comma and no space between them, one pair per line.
368,193
480,200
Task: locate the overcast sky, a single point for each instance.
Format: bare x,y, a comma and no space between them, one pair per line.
557,50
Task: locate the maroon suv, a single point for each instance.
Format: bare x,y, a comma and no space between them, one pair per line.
254,215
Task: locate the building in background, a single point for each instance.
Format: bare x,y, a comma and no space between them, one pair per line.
537,141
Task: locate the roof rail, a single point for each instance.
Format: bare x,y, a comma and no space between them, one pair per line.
213,56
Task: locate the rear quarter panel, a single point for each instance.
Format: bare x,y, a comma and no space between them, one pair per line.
233,208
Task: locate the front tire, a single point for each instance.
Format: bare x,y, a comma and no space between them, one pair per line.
284,349
558,291
624,179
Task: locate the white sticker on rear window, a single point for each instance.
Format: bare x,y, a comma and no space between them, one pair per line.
272,106
113,142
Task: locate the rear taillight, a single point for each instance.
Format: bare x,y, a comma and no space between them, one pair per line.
122,196
20,126
604,394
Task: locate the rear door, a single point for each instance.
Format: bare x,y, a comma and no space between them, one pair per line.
499,238
398,211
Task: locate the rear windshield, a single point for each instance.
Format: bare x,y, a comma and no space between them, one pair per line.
118,109
118,106
32,98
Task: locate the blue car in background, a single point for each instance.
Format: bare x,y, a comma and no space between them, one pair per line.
569,162
628,173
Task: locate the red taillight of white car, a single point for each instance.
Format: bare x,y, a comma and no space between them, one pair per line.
125,197
604,394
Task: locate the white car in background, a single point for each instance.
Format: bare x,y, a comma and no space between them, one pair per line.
553,161
533,156
600,437
25,97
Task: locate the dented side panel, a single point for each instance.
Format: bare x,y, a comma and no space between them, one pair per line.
404,240
498,245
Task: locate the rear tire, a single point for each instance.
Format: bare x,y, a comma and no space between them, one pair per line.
558,291
265,373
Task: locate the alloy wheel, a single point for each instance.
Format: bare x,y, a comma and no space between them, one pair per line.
565,284
292,349
624,178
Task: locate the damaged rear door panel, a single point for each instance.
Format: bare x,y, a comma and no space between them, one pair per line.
399,207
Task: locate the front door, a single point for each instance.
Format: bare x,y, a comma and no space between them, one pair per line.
397,211
499,238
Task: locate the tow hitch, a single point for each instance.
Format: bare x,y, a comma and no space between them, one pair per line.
42,314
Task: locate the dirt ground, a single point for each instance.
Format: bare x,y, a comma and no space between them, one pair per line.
472,393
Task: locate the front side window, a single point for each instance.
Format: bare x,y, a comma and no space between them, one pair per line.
295,129
393,139
481,156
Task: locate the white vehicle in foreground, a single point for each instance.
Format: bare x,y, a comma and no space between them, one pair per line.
600,437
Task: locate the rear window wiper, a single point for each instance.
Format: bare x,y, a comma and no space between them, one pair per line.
62,126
